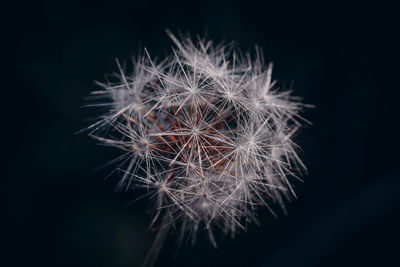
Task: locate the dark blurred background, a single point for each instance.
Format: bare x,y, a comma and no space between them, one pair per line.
57,210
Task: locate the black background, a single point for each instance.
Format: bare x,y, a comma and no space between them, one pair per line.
58,211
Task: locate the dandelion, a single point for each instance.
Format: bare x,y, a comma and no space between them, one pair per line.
206,133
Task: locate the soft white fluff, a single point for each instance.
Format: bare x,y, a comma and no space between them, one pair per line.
206,131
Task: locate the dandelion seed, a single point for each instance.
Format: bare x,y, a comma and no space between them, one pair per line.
207,133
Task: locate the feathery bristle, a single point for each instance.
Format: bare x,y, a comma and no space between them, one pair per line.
207,132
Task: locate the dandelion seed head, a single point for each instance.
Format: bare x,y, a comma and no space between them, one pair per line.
206,132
